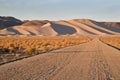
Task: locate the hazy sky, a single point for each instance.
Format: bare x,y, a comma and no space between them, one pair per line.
101,10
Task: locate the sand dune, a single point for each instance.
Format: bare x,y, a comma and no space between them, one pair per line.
113,24
78,29
97,25
62,29
56,28
84,27
7,21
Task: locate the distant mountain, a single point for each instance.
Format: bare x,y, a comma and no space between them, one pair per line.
56,28
6,22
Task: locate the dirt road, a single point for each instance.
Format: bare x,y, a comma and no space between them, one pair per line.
89,61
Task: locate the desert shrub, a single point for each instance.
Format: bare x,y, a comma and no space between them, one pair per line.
5,50
111,40
30,51
24,46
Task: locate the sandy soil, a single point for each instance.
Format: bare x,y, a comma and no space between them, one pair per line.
89,61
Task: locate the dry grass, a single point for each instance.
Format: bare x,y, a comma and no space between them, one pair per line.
12,48
112,40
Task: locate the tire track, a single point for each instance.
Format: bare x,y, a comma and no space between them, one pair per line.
100,70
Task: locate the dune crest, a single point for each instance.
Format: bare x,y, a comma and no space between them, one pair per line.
61,27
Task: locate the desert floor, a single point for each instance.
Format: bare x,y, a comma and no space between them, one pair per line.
93,60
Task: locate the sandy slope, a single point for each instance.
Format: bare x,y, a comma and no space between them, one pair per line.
104,29
89,61
113,24
55,28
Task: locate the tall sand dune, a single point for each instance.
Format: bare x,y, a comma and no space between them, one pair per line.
57,28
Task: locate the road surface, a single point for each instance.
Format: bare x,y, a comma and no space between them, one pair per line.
89,61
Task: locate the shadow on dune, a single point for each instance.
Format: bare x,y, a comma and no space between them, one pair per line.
99,29
89,32
106,26
31,33
96,28
13,30
62,29
113,24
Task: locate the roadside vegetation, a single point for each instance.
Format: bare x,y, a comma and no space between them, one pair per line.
112,40
13,48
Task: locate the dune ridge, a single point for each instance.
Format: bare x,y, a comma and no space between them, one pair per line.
57,28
